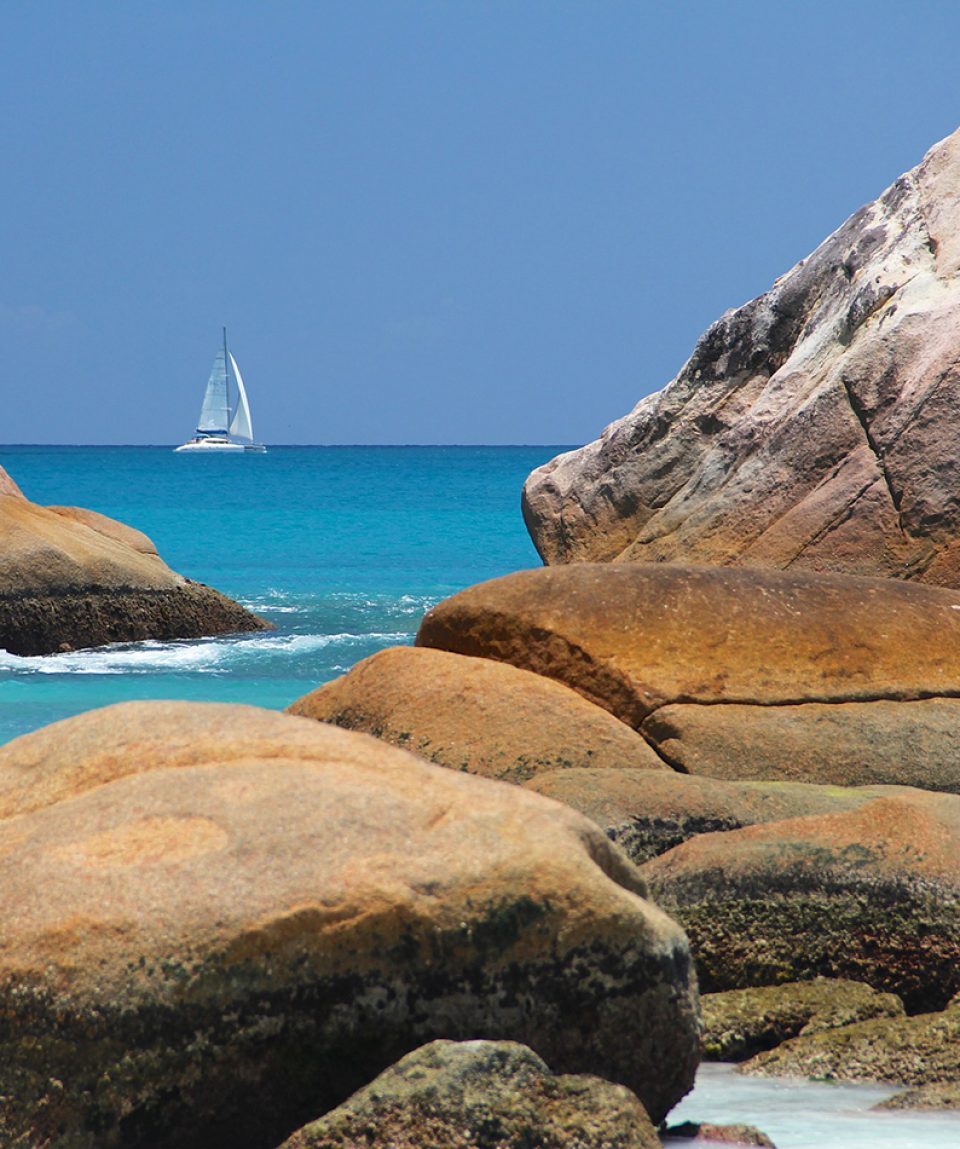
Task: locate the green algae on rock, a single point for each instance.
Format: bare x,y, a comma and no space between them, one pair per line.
916,1051
468,1095
743,1022
870,894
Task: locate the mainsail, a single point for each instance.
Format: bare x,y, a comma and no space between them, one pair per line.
240,425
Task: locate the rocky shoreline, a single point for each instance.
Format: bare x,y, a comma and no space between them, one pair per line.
507,888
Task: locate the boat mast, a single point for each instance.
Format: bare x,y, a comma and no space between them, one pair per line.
226,377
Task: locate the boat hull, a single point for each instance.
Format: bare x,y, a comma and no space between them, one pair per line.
220,446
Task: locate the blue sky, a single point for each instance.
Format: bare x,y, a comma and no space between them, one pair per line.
424,222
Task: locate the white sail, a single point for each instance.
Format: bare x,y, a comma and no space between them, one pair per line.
215,414
240,425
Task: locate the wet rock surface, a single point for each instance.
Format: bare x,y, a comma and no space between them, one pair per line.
870,894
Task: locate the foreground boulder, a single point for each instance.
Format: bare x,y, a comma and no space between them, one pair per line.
74,578
813,427
451,1095
209,947
870,894
476,715
743,1022
649,812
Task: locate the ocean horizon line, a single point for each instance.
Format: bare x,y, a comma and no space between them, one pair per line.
324,446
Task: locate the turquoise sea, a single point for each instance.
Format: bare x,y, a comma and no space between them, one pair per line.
342,548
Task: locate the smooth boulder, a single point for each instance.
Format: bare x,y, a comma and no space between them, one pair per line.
74,578
904,742
235,936
454,1095
633,637
812,428
476,715
870,894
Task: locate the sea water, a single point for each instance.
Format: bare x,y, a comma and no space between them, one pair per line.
343,549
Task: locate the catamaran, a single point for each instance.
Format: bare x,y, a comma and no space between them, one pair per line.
223,426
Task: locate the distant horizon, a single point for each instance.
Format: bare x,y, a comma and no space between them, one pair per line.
331,446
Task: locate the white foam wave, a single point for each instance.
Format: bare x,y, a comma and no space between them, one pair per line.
200,656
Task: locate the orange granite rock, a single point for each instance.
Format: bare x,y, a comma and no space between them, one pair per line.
215,944
475,714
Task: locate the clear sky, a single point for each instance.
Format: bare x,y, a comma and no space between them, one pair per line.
424,221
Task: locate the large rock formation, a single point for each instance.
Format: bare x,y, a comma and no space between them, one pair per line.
70,578
217,922
475,714
813,427
633,638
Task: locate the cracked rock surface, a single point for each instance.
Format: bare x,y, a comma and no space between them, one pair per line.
812,428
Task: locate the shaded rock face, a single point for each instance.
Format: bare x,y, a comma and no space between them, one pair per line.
916,1051
235,934
871,894
473,714
648,813
813,427
75,578
905,743
743,1022
481,1095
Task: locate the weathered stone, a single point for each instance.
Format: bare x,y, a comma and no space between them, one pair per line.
632,637
475,714
647,813
481,1095
234,936
74,578
919,1050
813,427
943,1095
705,1132
743,1022
908,743
870,894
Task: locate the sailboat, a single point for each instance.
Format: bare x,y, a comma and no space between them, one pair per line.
224,426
